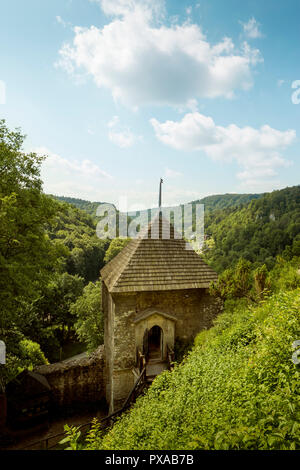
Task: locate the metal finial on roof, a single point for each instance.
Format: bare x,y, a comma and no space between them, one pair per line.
160,192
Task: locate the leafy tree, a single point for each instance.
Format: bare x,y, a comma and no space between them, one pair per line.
54,307
26,254
27,257
88,311
25,354
76,231
116,245
235,282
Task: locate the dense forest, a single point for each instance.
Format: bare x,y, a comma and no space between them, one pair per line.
257,232
87,206
236,387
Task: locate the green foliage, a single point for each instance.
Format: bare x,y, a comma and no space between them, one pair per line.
73,436
76,232
237,389
54,321
235,282
257,232
94,435
27,257
285,275
26,254
25,354
182,348
86,206
48,250
87,309
243,281
116,245
224,201
31,354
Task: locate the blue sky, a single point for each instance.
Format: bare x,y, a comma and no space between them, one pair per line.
119,93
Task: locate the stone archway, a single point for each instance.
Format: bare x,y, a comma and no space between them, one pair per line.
155,343
157,327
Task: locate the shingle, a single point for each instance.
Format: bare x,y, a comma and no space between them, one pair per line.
148,264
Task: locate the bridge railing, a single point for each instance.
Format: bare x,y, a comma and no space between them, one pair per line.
141,360
136,389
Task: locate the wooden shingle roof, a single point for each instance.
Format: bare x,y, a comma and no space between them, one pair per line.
155,264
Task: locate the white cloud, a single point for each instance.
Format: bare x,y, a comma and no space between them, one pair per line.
172,173
124,7
70,178
258,152
142,61
123,139
113,122
61,21
120,135
251,29
86,180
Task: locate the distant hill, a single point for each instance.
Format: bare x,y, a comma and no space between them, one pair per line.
87,206
220,201
258,231
257,227
223,201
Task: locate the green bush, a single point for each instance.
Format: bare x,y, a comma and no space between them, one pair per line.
31,354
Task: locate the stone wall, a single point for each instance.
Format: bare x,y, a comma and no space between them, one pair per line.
78,382
194,310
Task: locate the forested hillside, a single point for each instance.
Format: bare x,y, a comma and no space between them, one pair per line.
223,201
76,230
220,201
256,227
87,206
257,232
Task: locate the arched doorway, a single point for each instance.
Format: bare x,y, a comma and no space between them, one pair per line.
155,343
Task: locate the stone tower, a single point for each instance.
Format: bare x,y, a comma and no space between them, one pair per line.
154,293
